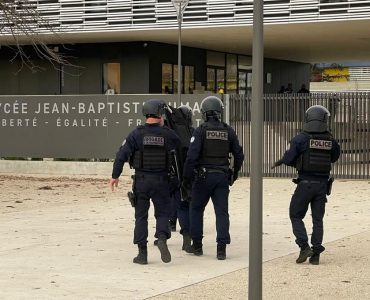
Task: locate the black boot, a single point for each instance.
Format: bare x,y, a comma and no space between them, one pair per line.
315,259
142,257
162,246
221,251
196,248
186,241
305,253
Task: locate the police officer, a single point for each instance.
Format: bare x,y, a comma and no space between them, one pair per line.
208,154
311,152
148,147
180,208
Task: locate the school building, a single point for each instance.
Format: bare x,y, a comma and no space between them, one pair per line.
130,47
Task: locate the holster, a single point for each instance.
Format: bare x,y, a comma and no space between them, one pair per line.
201,173
132,195
329,185
231,177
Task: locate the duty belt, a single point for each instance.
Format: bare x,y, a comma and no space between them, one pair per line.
152,177
312,181
216,171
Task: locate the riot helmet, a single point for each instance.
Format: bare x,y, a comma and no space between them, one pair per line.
316,119
187,112
211,107
153,108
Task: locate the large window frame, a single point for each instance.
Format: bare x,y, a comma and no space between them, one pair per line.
111,77
170,81
216,83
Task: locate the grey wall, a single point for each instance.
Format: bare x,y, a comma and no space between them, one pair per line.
284,72
15,79
82,126
8,81
135,74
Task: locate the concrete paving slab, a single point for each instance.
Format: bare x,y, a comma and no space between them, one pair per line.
74,240
342,274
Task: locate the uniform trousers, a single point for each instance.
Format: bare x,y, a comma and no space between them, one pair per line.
313,193
214,186
156,188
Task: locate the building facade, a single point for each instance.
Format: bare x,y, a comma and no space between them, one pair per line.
126,47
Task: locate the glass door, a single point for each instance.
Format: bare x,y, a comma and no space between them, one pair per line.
244,81
220,79
216,80
112,78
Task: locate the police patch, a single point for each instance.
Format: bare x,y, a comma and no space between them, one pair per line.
320,144
153,140
217,135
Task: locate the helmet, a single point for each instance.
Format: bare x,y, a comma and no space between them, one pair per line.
153,108
316,119
187,112
211,106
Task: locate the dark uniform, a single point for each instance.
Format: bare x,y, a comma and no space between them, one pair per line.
180,208
148,147
209,155
311,152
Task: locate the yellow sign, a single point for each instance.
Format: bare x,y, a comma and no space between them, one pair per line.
335,74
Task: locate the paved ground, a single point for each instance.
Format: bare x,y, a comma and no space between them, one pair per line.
71,238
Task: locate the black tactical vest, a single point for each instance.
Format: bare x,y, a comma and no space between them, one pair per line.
215,145
317,157
154,156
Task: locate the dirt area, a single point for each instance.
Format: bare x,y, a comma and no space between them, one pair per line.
20,193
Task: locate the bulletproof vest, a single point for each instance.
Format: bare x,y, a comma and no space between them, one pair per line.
317,157
215,145
154,155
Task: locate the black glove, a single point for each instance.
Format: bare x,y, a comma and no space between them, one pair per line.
186,183
277,163
186,186
232,176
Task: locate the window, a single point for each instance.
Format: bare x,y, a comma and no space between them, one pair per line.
170,79
216,59
189,79
244,74
112,78
167,79
231,74
244,62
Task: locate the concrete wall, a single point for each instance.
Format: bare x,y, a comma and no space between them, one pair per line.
348,86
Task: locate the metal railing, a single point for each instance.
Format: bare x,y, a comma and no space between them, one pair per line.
284,117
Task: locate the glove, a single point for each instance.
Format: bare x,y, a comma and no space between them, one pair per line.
276,164
186,186
232,176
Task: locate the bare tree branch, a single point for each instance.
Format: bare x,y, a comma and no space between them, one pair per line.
22,23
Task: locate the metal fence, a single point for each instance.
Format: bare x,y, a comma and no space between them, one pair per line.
283,119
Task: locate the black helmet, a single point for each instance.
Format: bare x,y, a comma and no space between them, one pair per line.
211,106
153,108
187,112
316,119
